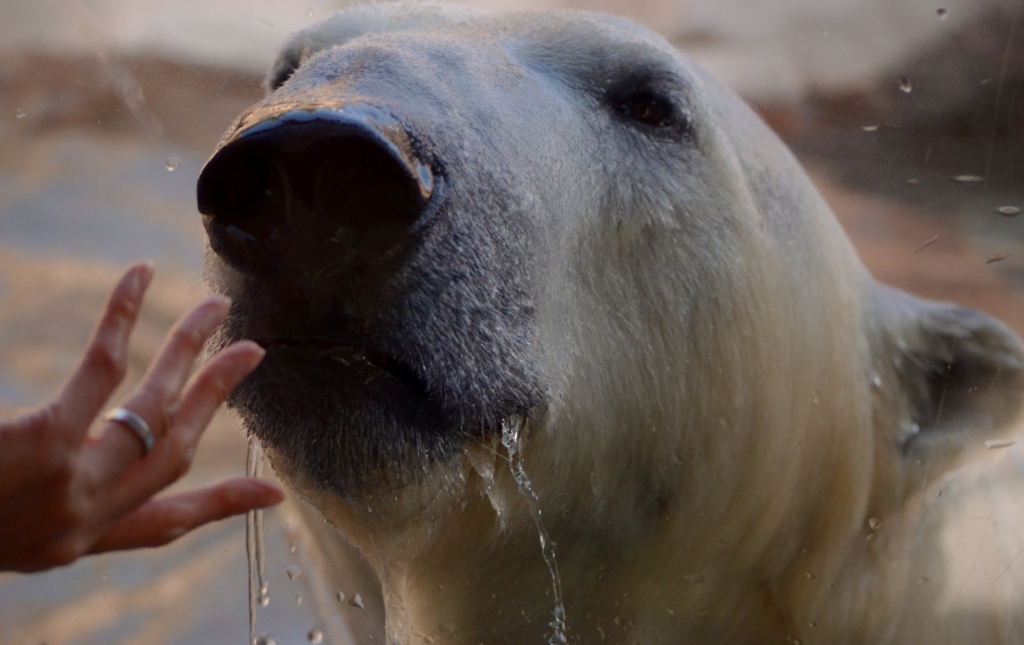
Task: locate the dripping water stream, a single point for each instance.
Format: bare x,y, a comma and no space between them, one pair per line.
255,547
510,440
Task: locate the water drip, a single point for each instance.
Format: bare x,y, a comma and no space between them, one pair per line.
510,440
396,616
481,459
255,547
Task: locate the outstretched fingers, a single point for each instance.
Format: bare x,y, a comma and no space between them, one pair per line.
103,365
69,495
172,367
173,453
160,521
160,391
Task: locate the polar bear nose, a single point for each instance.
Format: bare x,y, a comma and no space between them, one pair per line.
297,181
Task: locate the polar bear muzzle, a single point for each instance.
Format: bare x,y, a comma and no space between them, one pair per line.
333,226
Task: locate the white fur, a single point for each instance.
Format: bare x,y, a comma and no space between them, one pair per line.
720,457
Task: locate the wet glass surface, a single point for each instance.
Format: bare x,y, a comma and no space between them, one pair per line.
108,111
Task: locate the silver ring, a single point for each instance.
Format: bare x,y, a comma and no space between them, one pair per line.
134,422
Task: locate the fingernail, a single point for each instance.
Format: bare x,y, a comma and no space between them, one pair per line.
143,276
221,300
269,491
254,347
258,353
253,356
216,307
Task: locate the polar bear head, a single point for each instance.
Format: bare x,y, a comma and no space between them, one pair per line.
449,227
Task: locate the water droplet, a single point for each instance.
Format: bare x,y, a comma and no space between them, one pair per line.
292,548
967,179
429,640
808,575
996,256
298,599
264,601
876,380
812,624
340,596
172,163
869,127
871,536
1008,211
941,13
913,182
310,12
293,571
927,243
874,523
696,578
996,444
265,640
21,113
794,640
315,636
905,85
357,602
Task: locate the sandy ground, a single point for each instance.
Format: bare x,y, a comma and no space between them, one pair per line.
101,141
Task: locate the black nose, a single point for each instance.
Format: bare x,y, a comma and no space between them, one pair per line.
295,185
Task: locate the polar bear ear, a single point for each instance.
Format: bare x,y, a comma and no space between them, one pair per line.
336,30
959,378
287,62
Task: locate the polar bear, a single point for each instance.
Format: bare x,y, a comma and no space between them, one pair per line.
562,338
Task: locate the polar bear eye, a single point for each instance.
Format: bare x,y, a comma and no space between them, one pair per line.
648,109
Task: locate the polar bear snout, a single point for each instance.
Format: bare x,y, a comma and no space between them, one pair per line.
388,278
309,188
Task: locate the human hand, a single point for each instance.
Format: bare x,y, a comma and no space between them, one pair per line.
64,493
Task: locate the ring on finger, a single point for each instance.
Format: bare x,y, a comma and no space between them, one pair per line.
135,423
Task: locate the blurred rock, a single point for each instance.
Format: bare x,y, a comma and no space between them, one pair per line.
950,108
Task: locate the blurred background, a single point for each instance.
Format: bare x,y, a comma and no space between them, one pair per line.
909,115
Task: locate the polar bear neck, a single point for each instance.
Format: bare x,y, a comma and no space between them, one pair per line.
476,571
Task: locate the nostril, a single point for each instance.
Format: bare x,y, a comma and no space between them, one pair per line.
244,189
359,185
292,181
